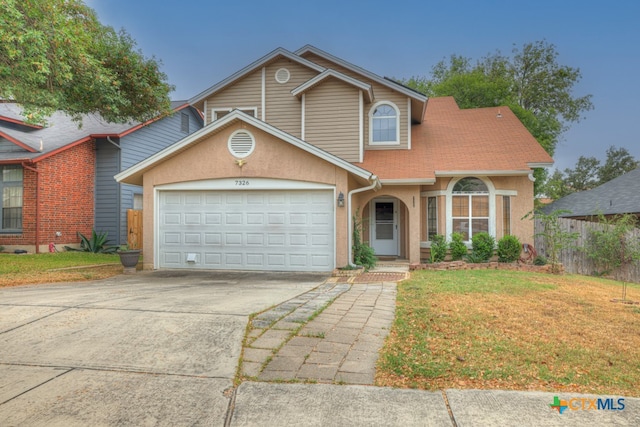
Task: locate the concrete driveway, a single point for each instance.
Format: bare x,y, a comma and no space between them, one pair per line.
145,349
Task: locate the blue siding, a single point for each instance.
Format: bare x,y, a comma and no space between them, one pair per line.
111,208
7,146
106,190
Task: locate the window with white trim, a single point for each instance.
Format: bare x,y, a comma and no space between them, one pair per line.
11,178
470,207
384,124
218,113
506,215
432,217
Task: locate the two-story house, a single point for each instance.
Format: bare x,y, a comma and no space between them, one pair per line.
297,144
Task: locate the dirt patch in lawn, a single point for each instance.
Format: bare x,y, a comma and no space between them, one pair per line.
70,275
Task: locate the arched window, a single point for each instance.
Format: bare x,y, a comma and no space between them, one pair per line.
384,124
470,212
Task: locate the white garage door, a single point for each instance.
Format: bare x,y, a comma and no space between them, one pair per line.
290,230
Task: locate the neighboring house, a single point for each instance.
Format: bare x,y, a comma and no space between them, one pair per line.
57,180
298,143
619,196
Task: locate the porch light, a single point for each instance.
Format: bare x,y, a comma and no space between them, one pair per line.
341,200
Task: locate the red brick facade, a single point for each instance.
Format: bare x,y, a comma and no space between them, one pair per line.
67,181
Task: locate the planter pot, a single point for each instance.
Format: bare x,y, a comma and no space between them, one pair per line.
129,259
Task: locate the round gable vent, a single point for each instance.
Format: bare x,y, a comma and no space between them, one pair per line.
241,143
283,75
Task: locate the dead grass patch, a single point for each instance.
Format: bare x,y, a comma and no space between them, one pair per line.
32,269
514,331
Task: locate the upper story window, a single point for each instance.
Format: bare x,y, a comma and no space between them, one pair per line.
11,201
384,124
218,113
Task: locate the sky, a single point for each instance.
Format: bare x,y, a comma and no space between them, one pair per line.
201,42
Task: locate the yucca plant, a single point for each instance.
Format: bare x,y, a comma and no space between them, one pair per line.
98,244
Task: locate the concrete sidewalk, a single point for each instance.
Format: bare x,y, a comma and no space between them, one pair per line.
269,404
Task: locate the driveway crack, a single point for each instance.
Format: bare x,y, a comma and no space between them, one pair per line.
232,405
38,385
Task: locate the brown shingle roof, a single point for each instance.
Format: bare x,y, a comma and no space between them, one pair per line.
450,139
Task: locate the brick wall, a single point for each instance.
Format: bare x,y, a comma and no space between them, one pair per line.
67,181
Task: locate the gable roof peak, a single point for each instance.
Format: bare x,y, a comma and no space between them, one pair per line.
274,54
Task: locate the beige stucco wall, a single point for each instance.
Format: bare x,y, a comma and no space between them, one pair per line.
272,158
521,205
409,232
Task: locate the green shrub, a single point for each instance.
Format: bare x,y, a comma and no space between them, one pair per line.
457,247
509,248
438,248
363,254
475,258
98,244
482,245
540,260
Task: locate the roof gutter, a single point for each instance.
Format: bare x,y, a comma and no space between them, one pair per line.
375,186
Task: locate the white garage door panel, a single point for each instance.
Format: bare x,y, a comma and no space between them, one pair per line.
289,230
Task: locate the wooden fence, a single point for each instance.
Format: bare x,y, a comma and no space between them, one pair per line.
575,260
134,229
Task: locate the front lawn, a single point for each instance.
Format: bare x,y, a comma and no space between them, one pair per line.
56,267
492,329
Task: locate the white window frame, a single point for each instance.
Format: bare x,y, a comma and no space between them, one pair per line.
492,204
11,184
435,198
371,119
215,110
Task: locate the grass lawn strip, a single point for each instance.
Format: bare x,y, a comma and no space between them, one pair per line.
56,267
513,330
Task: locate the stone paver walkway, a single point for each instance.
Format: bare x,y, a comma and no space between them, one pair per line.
339,345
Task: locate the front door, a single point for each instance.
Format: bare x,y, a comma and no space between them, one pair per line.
384,227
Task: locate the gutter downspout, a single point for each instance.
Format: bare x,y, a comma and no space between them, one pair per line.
374,186
37,236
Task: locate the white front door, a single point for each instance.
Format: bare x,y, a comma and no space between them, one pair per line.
384,227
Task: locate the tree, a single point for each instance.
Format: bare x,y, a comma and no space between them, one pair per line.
556,238
55,55
532,83
618,162
584,176
613,248
589,173
556,186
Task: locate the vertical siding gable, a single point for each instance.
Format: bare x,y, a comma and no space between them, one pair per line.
246,92
380,93
284,110
332,119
